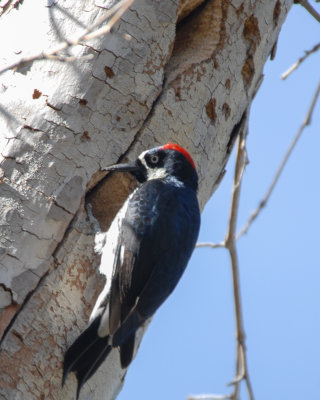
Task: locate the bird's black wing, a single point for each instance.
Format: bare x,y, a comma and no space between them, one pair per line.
157,237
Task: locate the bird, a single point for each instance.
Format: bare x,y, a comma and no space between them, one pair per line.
143,254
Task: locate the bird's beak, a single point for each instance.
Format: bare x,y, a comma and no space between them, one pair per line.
129,167
135,168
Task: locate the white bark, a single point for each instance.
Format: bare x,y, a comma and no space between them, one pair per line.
61,122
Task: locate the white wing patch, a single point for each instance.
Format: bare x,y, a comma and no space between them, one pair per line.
122,255
106,244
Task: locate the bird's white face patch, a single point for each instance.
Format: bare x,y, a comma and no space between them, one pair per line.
141,158
153,173
156,173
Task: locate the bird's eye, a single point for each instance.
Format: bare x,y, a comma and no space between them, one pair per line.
154,159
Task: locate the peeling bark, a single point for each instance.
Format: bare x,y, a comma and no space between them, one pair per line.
187,74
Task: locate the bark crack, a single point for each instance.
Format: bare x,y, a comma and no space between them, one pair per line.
20,309
7,290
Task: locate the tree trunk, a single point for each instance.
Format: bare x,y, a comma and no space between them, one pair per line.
183,72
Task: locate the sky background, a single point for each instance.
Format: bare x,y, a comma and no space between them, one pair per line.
189,347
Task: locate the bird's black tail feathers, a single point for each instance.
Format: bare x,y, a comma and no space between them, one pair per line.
127,329
126,352
86,354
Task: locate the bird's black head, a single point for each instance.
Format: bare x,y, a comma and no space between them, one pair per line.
168,162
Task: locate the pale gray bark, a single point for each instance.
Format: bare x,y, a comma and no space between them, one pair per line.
62,122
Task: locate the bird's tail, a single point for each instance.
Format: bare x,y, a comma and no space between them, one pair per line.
86,354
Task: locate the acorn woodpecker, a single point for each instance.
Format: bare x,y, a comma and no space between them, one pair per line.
144,254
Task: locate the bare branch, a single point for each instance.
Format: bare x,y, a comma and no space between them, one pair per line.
210,397
212,245
89,33
310,9
265,199
300,61
230,244
241,362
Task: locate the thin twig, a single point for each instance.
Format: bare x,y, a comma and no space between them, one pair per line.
89,33
63,58
230,244
265,199
300,61
241,363
210,397
310,9
212,245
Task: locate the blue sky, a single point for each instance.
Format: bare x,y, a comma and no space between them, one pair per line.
189,347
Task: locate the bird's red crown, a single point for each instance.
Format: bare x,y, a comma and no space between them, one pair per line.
174,146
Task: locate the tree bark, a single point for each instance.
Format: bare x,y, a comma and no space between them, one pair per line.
183,72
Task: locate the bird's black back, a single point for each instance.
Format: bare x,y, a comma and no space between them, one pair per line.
157,237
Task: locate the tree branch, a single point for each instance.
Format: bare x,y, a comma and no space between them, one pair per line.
230,244
89,33
241,363
309,8
265,199
212,245
300,61
210,397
